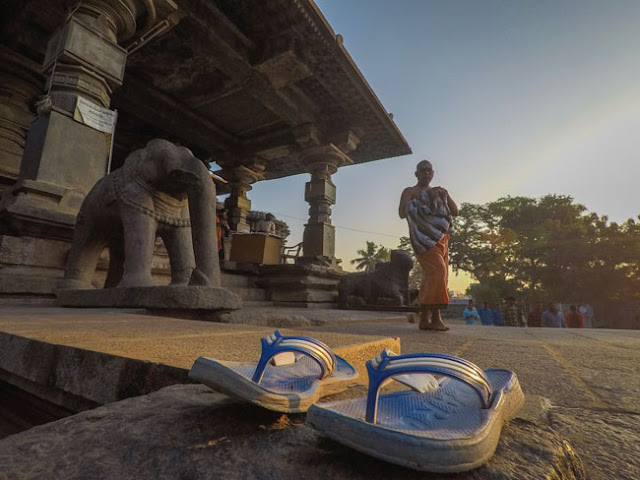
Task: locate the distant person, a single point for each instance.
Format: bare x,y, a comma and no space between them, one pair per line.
222,231
429,211
574,319
533,319
552,317
470,314
497,315
511,313
486,314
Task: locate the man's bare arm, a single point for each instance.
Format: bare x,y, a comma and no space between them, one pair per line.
453,208
406,197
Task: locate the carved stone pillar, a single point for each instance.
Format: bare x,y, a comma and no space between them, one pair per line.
83,60
64,154
20,84
237,203
319,243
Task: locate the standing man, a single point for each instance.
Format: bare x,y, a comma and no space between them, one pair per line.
533,319
552,317
486,315
497,315
429,211
511,314
470,314
573,319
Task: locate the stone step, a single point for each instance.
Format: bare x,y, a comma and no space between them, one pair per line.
236,280
249,294
257,304
140,354
193,432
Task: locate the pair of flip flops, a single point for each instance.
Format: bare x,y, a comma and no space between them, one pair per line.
448,423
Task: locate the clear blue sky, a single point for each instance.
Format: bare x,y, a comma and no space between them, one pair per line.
520,97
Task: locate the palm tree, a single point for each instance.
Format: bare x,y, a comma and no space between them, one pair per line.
370,256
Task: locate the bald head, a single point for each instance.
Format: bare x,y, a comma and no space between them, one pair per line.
424,172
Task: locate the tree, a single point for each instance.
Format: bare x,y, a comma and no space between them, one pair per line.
546,248
371,256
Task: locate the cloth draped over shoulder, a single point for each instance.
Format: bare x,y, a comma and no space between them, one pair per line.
429,219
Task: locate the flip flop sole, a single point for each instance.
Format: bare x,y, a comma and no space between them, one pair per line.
234,379
439,450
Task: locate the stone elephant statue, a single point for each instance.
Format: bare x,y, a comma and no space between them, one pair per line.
161,190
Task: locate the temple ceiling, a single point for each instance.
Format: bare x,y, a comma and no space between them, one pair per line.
242,82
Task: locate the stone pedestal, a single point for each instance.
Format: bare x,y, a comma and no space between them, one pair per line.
319,240
301,285
165,297
35,266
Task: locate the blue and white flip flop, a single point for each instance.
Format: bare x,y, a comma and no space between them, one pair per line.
292,373
451,424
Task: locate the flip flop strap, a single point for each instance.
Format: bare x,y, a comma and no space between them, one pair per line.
387,365
314,349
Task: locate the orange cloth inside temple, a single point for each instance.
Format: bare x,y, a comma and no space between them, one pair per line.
435,274
219,231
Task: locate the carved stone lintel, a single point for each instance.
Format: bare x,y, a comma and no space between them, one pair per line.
307,136
325,158
284,68
346,141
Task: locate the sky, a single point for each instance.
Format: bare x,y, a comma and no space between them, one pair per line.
505,97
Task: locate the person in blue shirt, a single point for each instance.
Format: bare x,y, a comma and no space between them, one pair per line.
486,314
470,314
552,317
497,316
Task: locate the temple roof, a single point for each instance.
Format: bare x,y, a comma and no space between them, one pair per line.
251,83
255,83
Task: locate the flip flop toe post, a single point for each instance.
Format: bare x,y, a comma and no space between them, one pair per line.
452,427
291,374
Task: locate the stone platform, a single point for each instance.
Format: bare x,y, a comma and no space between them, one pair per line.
81,358
160,297
581,418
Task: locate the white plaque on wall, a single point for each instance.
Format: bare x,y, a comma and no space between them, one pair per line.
94,116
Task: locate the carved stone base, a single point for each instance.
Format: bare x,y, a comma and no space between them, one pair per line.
162,297
301,285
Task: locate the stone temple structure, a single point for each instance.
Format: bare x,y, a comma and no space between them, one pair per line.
264,89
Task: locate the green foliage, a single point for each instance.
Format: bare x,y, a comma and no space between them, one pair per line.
546,248
370,256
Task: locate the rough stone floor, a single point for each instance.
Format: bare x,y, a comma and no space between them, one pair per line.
581,418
